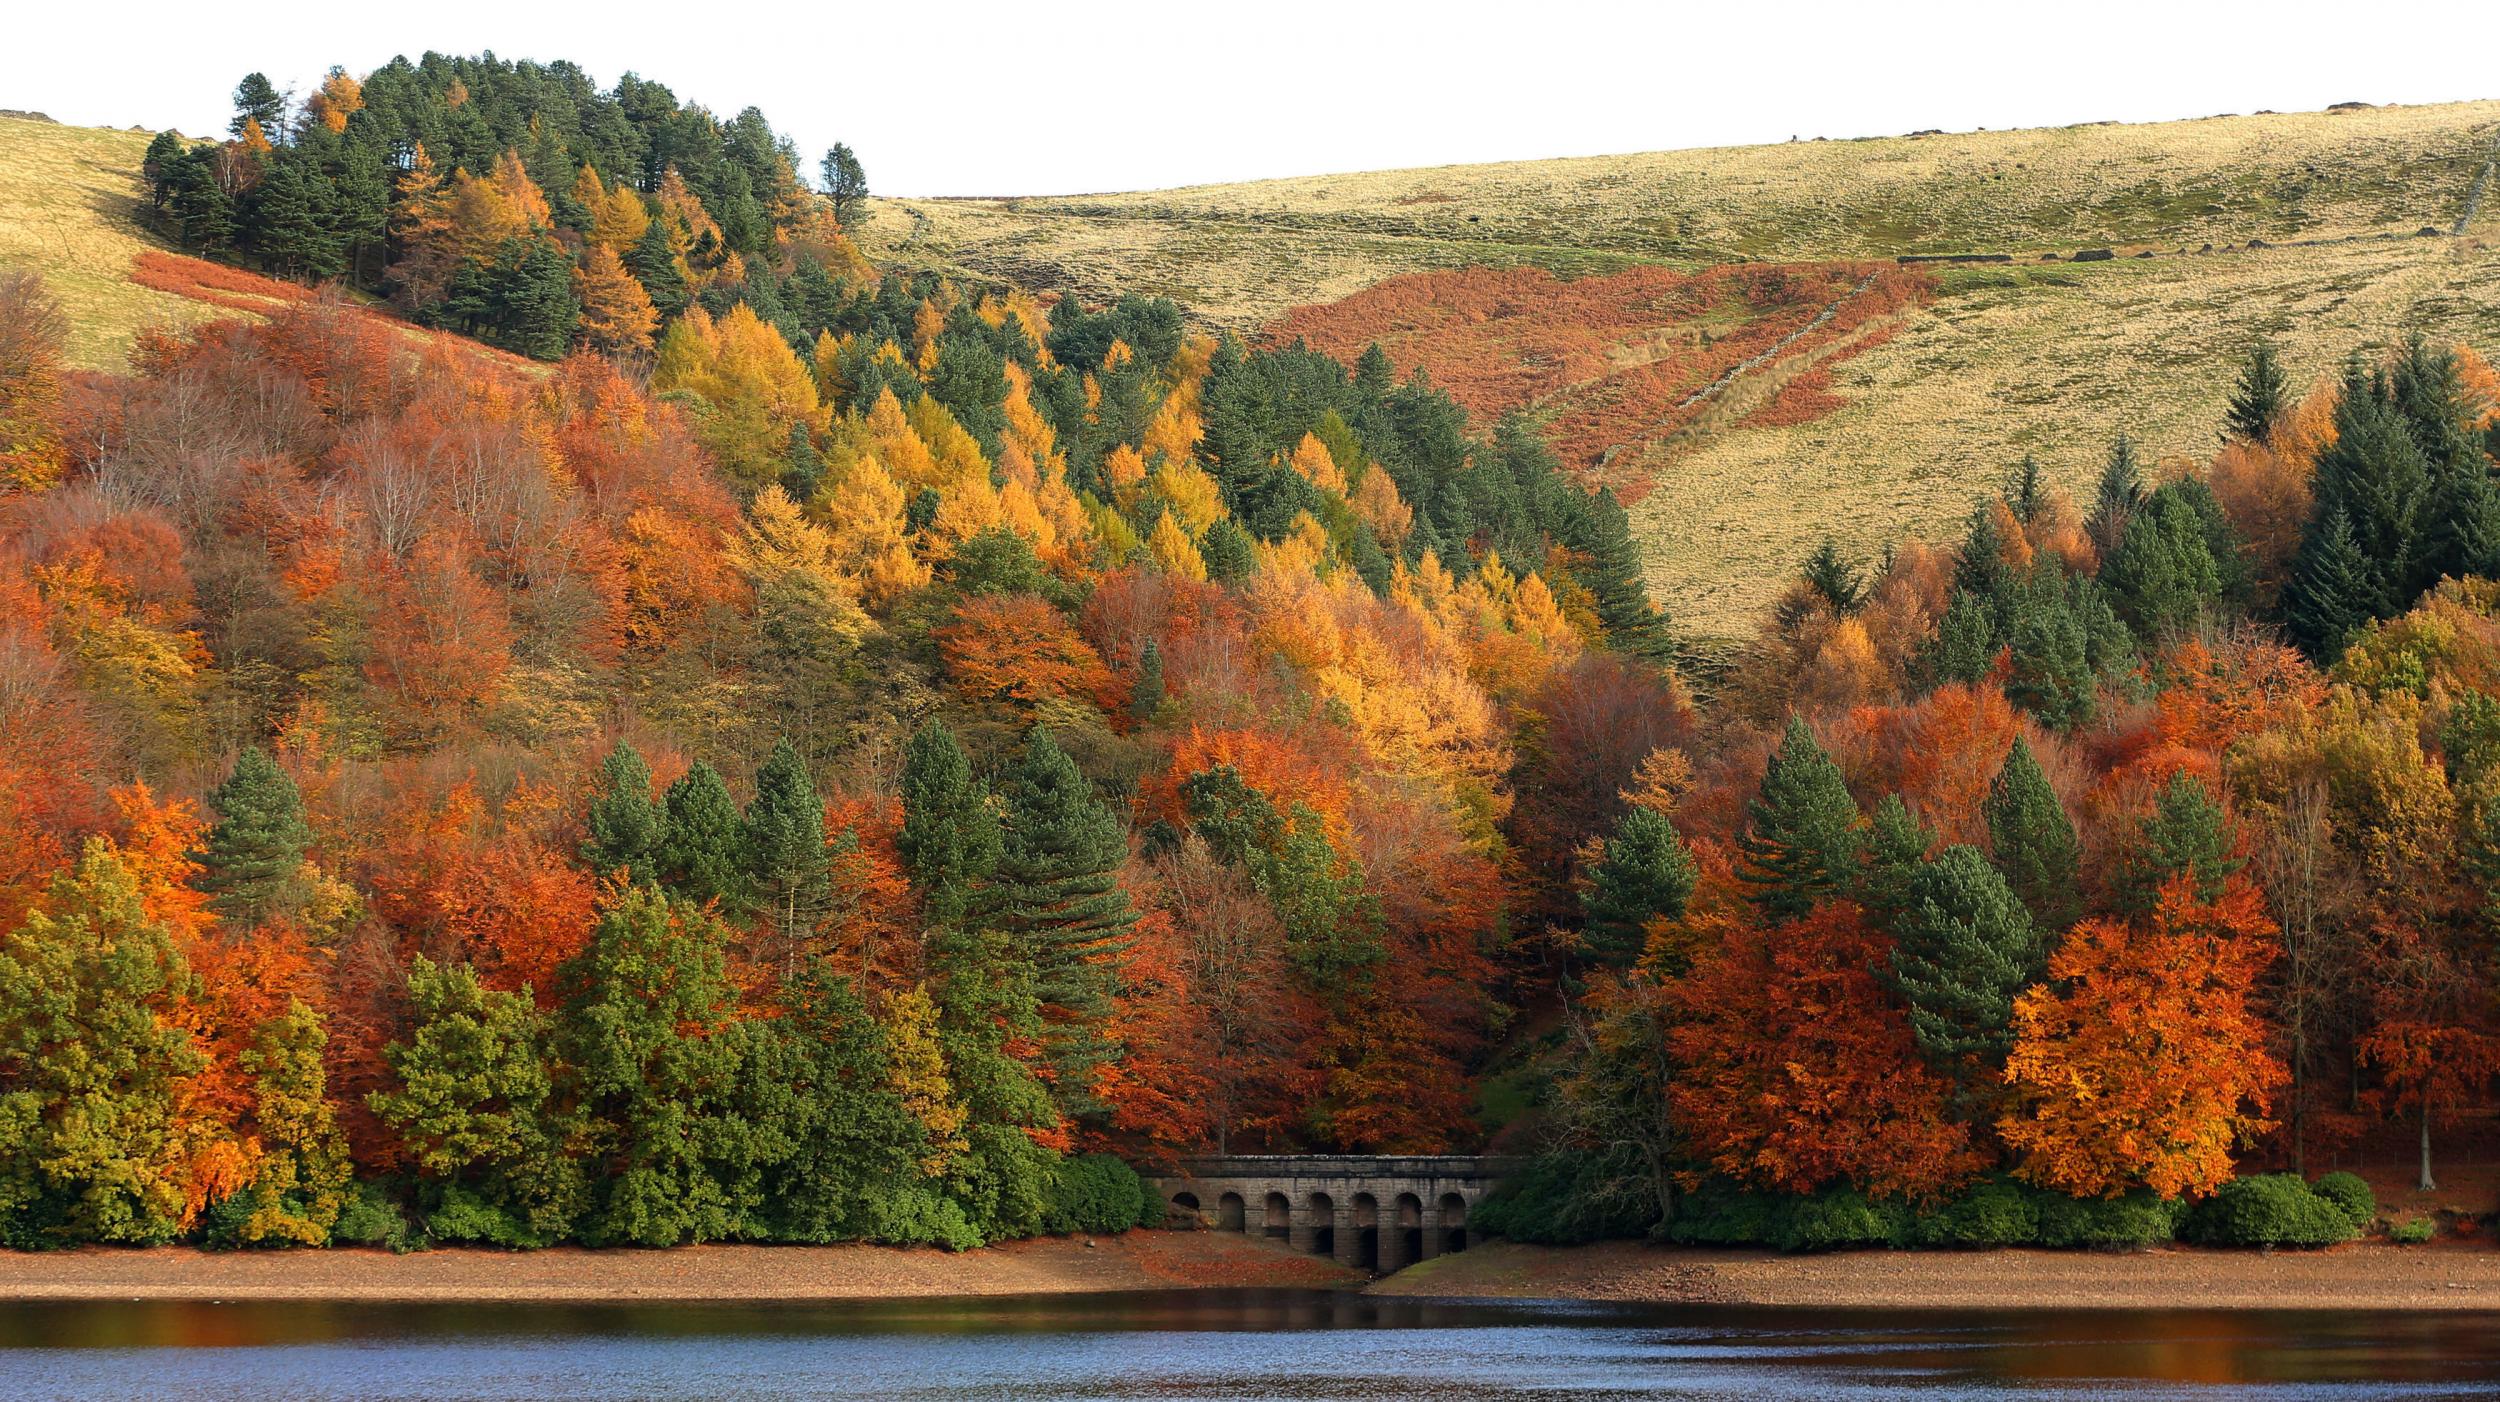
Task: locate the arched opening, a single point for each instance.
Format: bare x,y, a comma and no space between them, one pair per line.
1184,1212
1229,1213
1279,1215
1323,1219
1408,1244
1453,1222
1366,1231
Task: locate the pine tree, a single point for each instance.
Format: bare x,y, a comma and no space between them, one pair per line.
1897,844
1228,553
2187,833
2162,576
846,184
2332,594
701,854
2064,638
1613,573
1833,578
657,1078
654,264
2121,490
1802,841
1980,570
1965,645
1060,898
626,826
1145,693
803,469
950,839
474,1104
2034,840
255,852
257,101
535,312
2258,399
94,1066
1963,948
2027,492
787,868
1643,874
289,222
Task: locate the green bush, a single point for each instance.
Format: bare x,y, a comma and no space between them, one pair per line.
2271,1209
1095,1193
1996,1213
2347,1191
1719,1214
1569,1199
1153,1213
371,1218
918,1216
2138,1218
1837,1218
2413,1231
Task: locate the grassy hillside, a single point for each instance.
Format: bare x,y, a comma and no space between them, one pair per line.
2050,357
69,208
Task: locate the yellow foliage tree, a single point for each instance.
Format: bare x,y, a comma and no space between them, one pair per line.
1174,552
617,315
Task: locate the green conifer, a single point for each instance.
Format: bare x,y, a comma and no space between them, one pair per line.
702,856
2034,840
2259,397
1644,874
2186,833
1802,841
626,825
255,852
787,869
1963,948
1059,896
950,838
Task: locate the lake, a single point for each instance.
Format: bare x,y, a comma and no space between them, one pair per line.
1224,1344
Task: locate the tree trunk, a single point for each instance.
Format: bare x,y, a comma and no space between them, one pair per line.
2426,1185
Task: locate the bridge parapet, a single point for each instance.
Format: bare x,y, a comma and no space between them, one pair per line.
1376,1212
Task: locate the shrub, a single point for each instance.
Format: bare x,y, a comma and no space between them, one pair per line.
2271,1209
917,1216
370,1217
2347,1191
2413,1231
1569,1199
1840,1217
1095,1193
1996,1213
2138,1218
1719,1214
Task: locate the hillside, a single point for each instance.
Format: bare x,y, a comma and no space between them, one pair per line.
70,203
1897,439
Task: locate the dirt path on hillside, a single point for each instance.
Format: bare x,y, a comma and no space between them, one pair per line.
1051,1266
2459,1276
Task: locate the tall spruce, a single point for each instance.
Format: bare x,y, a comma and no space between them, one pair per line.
2186,834
950,839
2333,593
1897,844
1642,874
2034,840
2259,397
1059,896
1963,947
787,867
1801,842
626,827
2374,479
1833,579
701,854
2115,499
2162,577
250,863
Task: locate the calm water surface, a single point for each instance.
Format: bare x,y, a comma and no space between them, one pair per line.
1223,1345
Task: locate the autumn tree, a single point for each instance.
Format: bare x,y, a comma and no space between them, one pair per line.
32,331
617,317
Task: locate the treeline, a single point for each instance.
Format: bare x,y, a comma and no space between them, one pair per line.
512,201
2067,889
859,771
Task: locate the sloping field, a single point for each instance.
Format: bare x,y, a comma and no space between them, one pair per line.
69,209
1869,432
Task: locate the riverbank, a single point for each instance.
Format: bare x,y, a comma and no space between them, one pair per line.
2363,1276
1049,1266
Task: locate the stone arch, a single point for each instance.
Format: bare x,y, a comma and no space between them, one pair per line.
1402,1237
1184,1211
1365,1252
1453,1222
1279,1209
1230,1214
1317,1225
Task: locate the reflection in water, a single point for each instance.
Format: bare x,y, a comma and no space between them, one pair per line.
1251,1344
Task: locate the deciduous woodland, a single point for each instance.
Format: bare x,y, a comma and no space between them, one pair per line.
832,756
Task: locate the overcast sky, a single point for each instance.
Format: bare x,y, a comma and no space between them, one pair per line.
1041,98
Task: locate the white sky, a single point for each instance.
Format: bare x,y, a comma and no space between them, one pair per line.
1046,98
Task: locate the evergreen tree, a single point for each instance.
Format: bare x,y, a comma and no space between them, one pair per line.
255,853
2186,833
2064,639
1897,844
2332,595
257,100
700,855
803,468
1146,694
164,153
1980,570
535,309
2027,492
2121,490
787,869
2034,840
1060,898
495,1153
2365,554
2258,399
846,184
654,264
950,838
1802,841
202,209
1834,579
658,1078
1226,548
1963,948
290,224
626,826
2162,577
94,1066
1644,874
1612,572
1965,645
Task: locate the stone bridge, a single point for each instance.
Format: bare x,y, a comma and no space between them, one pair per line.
1376,1214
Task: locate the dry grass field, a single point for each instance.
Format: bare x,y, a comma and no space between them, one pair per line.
2047,357
69,209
